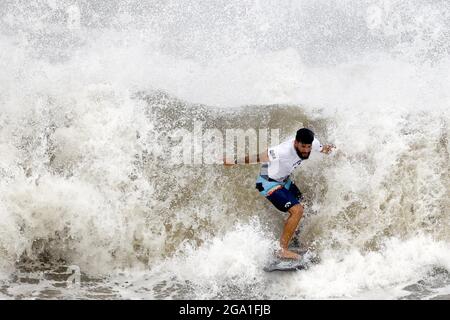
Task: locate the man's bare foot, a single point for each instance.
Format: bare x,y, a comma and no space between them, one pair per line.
287,254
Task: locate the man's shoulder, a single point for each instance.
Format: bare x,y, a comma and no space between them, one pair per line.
283,149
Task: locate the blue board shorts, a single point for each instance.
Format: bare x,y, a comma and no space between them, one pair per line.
283,195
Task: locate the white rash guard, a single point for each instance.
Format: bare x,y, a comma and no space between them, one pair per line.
283,159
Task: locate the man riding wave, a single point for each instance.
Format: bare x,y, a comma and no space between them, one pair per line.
275,184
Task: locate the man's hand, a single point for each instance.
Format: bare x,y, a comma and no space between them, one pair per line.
227,164
327,148
262,157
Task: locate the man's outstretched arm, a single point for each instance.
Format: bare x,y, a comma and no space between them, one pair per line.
262,157
327,148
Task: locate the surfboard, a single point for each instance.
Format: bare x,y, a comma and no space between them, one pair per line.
285,265
277,264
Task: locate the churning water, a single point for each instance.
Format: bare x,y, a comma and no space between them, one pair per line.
90,92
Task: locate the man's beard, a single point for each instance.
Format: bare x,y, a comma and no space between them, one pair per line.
301,156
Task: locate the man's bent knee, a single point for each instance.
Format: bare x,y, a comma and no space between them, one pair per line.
296,210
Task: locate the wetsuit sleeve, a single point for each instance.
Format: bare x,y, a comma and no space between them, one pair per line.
316,145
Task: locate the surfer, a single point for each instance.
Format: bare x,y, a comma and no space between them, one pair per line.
275,184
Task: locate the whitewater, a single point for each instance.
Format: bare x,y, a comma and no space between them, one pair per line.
92,91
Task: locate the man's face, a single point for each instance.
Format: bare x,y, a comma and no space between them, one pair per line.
303,150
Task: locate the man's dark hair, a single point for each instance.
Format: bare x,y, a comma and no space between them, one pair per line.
304,136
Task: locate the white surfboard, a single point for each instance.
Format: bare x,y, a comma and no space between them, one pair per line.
285,265
278,264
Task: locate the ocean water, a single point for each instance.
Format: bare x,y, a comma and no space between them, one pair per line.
96,202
